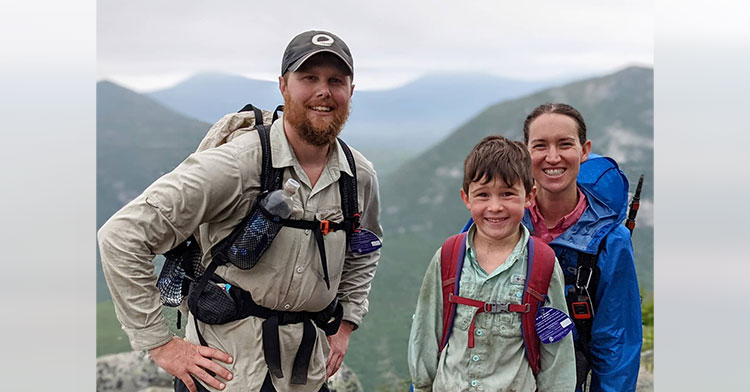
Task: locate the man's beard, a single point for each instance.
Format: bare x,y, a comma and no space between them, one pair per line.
321,134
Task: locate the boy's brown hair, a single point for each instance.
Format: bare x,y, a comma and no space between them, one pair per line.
496,156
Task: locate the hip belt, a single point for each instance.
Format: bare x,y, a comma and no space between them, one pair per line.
226,302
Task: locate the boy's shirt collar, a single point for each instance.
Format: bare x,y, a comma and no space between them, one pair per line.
549,234
518,251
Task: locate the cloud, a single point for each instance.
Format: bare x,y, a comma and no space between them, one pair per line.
389,39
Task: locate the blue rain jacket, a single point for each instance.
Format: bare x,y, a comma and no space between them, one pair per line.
616,333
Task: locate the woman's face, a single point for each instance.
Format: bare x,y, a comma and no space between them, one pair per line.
556,153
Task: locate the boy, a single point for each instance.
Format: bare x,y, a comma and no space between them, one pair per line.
485,349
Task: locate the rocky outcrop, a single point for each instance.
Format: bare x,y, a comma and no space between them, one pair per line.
130,372
136,372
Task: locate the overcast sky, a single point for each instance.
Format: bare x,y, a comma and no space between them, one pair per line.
147,45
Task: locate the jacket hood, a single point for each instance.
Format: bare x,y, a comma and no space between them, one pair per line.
606,190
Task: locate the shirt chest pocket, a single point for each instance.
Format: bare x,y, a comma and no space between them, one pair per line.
508,324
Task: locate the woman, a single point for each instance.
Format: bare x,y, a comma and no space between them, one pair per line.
578,211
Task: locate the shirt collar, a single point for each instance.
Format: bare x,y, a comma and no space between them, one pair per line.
518,252
283,155
548,234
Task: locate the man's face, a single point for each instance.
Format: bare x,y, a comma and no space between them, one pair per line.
316,101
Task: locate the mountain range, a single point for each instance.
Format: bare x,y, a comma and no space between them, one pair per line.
388,125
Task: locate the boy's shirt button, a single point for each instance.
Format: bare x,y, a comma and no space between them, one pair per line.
475,358
474,383
479,332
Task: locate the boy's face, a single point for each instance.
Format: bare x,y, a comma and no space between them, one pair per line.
496,208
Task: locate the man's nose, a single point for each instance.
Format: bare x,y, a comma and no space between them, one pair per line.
323,91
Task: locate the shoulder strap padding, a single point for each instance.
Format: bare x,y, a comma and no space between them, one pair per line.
348,185
541,264
451,262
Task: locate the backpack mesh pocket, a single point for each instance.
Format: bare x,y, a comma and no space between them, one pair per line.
248,245
171,279
216,304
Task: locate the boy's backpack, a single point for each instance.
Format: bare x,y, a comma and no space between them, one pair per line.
541,263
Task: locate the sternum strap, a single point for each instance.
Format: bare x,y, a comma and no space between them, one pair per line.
485,307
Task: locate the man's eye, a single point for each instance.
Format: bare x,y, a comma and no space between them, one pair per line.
336,81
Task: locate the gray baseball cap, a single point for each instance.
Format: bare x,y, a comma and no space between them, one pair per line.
310,43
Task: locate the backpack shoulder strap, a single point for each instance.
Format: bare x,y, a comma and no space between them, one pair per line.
541,264
451,262
270,177
348,192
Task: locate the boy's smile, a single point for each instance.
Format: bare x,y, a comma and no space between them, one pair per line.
497,209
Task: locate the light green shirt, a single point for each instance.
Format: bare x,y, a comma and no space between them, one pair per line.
497,362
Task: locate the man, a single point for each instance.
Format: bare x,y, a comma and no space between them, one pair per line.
209,194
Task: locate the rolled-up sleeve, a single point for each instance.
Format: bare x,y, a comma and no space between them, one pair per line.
359,270
201,188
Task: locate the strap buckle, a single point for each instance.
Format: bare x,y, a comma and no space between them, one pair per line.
324,227
496,308
355,223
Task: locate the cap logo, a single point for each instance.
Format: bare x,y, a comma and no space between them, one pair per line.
322,40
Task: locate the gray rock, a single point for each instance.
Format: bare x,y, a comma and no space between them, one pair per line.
129,372
344,380
136,372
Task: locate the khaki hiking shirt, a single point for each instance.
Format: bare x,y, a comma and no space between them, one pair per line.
212,191
498,360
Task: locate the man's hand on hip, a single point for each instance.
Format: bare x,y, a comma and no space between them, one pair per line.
181,359
339,342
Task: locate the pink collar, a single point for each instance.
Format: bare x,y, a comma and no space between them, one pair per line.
548,234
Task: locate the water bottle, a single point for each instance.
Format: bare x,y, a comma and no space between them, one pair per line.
260,230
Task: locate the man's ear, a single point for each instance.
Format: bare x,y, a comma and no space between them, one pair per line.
465,199
530,197
282,85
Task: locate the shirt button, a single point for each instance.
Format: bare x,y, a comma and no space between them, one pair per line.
474,383
299,270
307,231
287,306
475,358
479,332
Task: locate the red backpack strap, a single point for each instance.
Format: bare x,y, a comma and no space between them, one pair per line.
541,263
451,262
